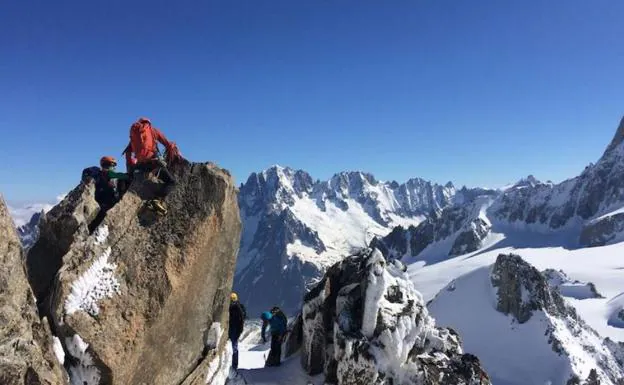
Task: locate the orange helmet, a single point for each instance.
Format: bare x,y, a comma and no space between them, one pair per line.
108,162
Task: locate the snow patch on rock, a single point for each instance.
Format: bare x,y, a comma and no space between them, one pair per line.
83,372
57,347
101,234
219,368
96,283
567,287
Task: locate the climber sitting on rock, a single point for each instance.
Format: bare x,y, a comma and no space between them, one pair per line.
109,186
143,145
278,324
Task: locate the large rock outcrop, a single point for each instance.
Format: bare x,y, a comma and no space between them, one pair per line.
26,353
522,289
364,323
58,229
143,300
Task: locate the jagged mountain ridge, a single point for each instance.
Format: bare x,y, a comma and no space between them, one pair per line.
294,226
589,207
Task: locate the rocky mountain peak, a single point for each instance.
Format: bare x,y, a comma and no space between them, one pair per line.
143,299
522,289
364,323
529,181
29,232
617,138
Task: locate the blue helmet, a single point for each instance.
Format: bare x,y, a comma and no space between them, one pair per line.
266,315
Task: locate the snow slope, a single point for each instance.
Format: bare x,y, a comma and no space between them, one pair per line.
602,266
519,353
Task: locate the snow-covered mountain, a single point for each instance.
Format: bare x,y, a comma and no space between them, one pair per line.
29,232
26,217
522,329
587,210
294,227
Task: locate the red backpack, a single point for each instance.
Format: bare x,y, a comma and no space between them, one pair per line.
143,141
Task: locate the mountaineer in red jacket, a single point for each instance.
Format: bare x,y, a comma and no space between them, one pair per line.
143,145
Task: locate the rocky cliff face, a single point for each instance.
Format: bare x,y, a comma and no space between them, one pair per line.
58,230
365,324
26,345
522,289
142,300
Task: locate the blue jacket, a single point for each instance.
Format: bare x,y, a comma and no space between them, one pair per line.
277,322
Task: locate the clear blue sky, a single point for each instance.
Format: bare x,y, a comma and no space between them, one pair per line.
476,92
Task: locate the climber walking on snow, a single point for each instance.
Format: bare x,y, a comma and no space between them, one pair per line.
143,145
278,324
236,325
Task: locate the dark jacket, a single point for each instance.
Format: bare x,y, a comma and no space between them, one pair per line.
237,319
277,322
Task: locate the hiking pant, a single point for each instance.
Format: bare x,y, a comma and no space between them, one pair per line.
275,354
106,199
234,340
162,173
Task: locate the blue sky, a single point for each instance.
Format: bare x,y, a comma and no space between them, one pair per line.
476,92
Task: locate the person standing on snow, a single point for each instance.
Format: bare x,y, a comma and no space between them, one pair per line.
144,139
236,325
278,323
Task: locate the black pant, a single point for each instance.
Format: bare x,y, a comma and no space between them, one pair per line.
106,198
161,172
275,354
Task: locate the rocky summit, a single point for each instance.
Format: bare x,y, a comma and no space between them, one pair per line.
364,323
142,299
26,345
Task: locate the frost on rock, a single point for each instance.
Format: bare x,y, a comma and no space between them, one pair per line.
82,371
58,350
94,284
101,234
364,323
219,368
213,336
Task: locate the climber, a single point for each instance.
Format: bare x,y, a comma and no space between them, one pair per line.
143,144
237,323
109,186
278,322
